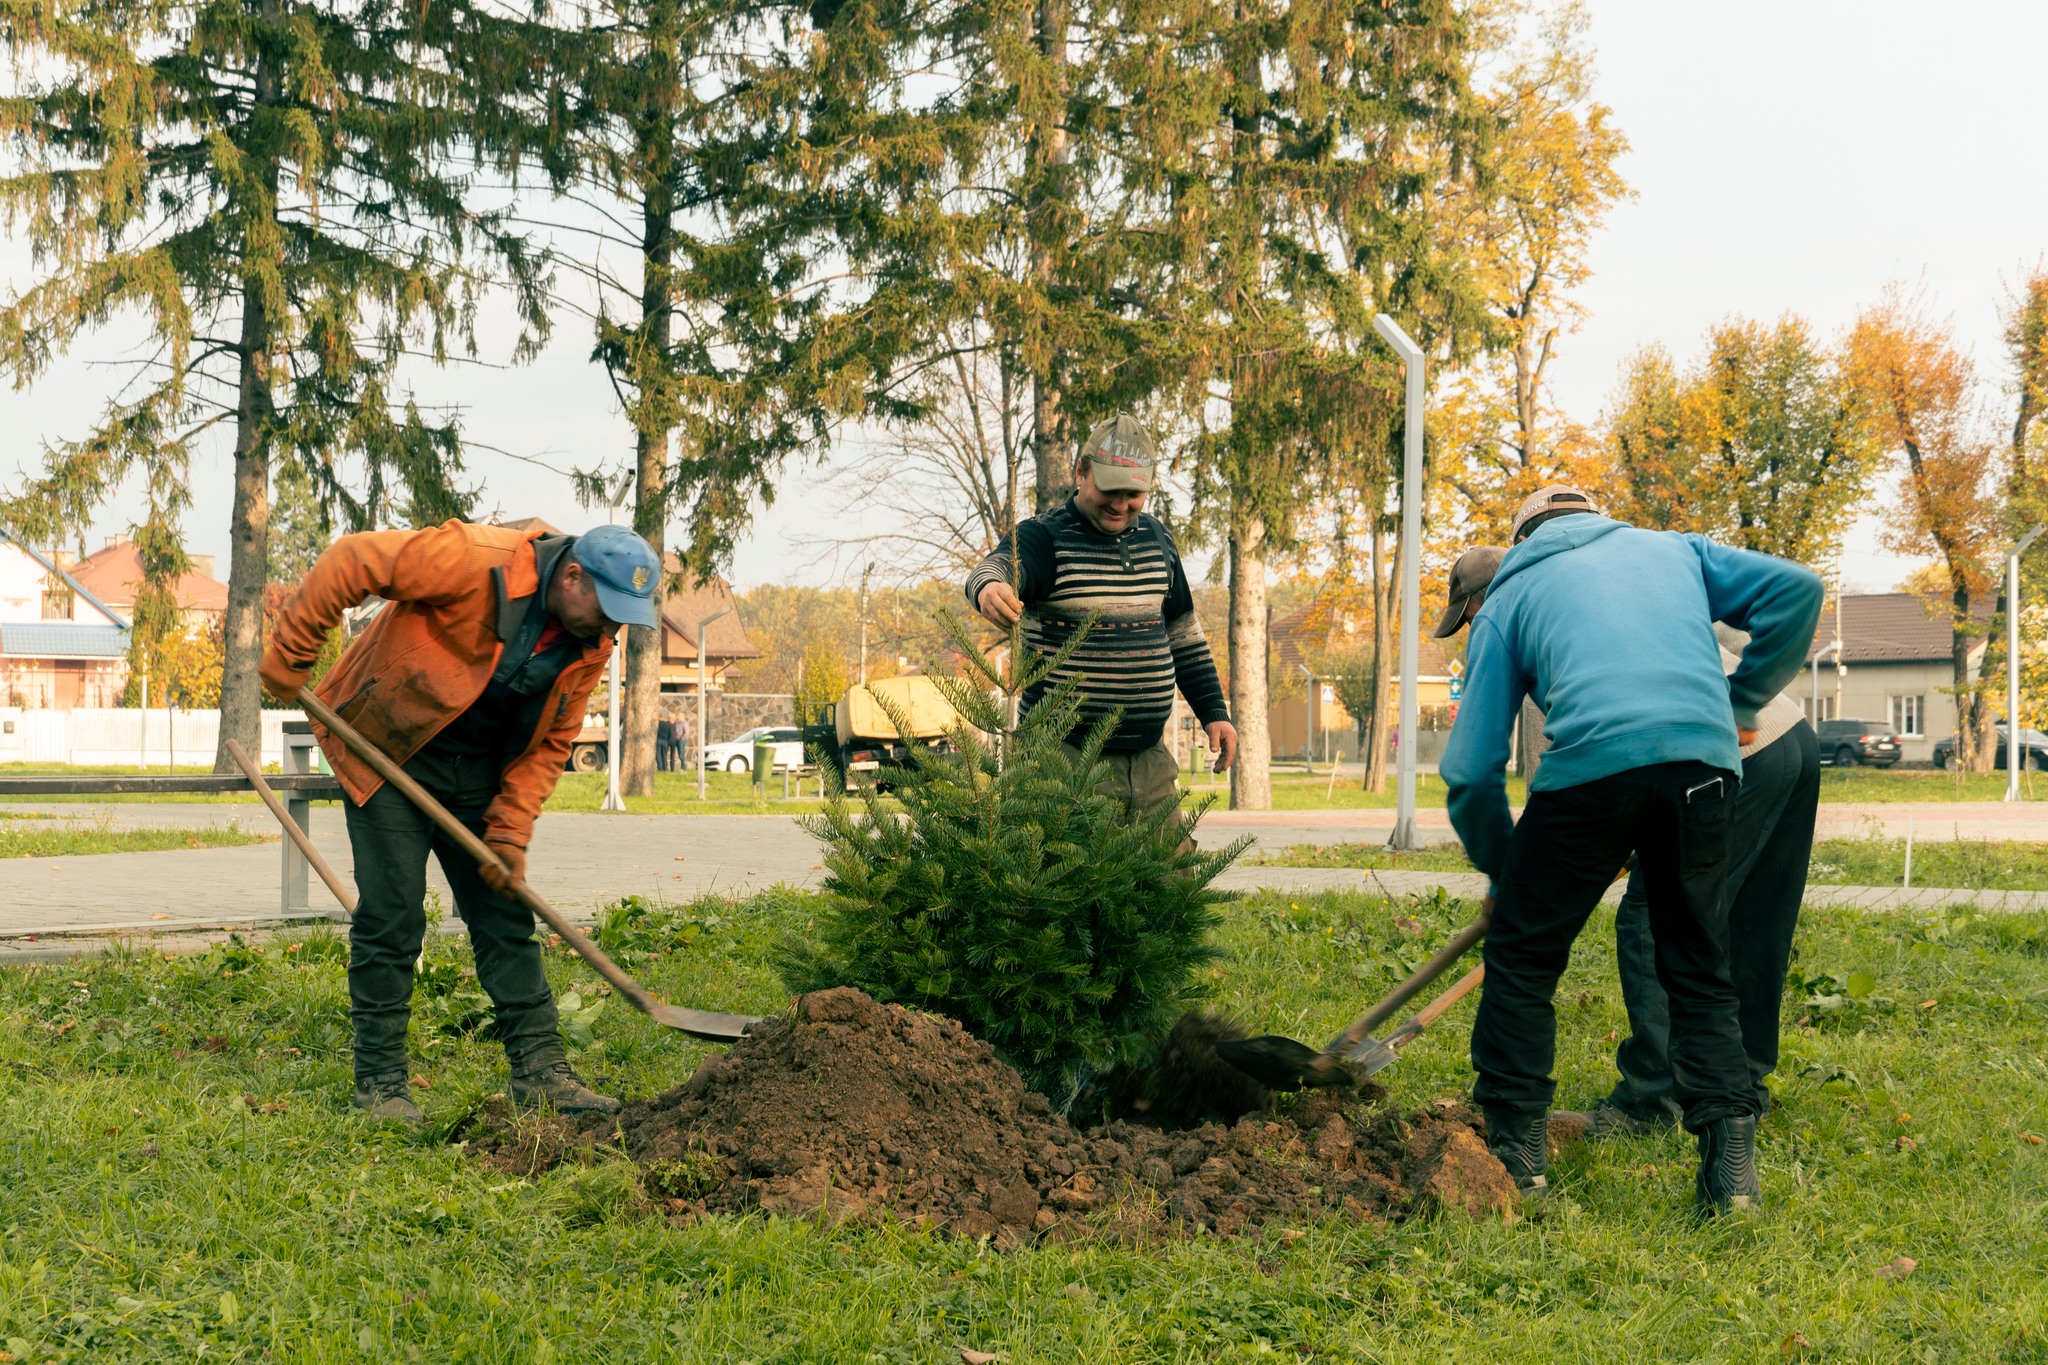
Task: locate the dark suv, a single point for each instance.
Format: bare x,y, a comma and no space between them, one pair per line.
1846,743
2033,750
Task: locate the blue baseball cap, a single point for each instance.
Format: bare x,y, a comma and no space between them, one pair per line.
624,570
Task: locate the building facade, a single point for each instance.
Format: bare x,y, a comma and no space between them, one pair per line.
1893,666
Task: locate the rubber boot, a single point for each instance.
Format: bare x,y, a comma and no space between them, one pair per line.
554,1084
1728,1180
1522,1145
388,1095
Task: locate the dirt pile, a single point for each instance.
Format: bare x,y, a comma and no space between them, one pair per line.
856,1110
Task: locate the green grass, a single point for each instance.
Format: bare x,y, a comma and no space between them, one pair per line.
72,843
1924,784
1970,864
154,1209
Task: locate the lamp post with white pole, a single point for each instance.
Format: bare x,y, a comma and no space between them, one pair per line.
703,739
1411,579
1836,650
2012,662
614,800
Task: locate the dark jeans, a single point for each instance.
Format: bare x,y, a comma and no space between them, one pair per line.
669,756
1567,848
391,838
1770,842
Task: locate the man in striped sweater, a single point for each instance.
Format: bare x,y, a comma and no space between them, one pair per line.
1099,554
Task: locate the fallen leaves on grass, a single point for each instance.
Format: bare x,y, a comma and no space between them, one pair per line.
1795,1343
1906,1144
2035,1138
969,1356
1899,1269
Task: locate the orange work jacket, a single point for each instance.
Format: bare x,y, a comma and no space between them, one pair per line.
456,593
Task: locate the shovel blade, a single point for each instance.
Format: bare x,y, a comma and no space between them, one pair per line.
1371,1056
1273,1061
715,1028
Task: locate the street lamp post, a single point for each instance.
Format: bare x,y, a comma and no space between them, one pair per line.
2012,661
1836,650
614,800
1411,578
703,739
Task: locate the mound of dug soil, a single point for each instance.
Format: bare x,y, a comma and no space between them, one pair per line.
854,1110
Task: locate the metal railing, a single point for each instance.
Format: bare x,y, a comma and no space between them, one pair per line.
299,787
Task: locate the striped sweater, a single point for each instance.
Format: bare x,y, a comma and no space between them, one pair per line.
1146,640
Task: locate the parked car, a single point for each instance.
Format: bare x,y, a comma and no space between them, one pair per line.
1846,743
737,755
2033,748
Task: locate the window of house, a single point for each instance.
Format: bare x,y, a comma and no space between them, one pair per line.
1906,715
56,600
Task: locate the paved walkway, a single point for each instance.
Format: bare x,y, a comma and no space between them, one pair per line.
584,861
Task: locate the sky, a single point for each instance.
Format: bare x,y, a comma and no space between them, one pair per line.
1787,156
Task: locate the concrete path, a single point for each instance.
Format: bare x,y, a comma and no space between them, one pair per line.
584,861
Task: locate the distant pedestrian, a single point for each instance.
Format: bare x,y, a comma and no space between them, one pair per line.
682,743
664,745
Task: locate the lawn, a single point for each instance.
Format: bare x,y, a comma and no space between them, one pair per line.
1972,864
70,841
188,1178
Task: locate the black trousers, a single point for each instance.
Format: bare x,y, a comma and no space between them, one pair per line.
391,839
1770,843
1568,846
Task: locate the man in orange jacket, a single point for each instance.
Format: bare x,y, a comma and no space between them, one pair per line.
475,677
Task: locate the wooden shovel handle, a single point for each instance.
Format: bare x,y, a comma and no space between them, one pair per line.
1437,1008
1406,991
291,827
476,848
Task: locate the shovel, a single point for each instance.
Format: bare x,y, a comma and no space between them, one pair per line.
1281,1063
1373,1056
291,828
696,1023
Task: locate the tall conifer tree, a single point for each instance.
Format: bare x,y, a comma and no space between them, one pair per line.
267,183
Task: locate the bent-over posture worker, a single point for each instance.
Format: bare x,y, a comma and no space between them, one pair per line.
1100,552
475,678
1770,841
1609,629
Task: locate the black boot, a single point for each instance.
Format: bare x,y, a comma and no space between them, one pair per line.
1728,1182
388,1095
1521,1144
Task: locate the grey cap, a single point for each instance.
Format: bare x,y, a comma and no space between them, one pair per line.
1556,497
1121,454
1470,577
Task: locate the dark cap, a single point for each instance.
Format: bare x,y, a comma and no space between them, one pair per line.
1556,498
1470,577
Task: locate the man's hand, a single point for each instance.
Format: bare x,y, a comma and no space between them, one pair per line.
281,679
500,879
1745,738
1000,604
1222,742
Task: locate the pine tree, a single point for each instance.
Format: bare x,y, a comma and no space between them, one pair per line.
1010,893
267,183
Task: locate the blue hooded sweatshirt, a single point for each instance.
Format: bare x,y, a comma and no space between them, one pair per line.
1611,630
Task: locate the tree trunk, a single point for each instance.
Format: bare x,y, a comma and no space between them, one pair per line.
241,694
1381,714
1251,779
1046,156
655,413
1974,746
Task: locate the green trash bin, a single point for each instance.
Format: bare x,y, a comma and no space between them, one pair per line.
764,761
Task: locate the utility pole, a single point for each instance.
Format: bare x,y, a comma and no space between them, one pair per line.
703,739
1411,578
866,569
613,800
2013,751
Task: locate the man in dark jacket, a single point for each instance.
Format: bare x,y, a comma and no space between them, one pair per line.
1099,553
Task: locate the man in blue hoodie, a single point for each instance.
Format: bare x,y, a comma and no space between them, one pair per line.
1609,629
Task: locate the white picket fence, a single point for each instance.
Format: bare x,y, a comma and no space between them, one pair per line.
124,737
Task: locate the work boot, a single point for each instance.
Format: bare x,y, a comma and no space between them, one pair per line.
1728,1181
555,1084
1522,1146
1608,1120
388,1095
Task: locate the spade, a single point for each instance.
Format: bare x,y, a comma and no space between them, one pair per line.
1282,1063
